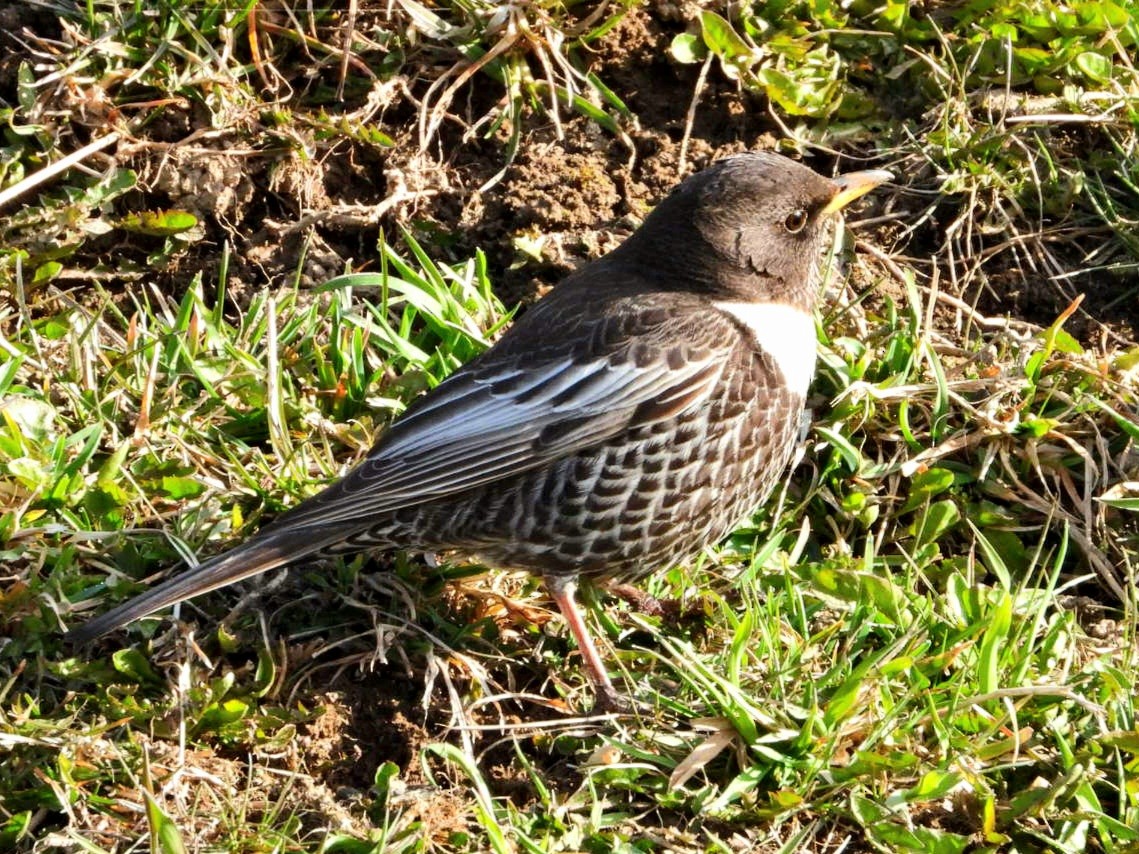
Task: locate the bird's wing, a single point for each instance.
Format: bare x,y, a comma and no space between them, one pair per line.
564,379
515,410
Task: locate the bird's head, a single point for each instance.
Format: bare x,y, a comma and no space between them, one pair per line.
753,221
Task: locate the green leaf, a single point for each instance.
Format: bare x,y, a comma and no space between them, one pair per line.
227,640
158,223
1003,30
993,558
1096,67
382,782
27,88
1131,428
29,472
1131,504
133,664
163,832
850,454
111,470
591,111
1066,343
889,834
722,39
1033,365
992,644
924,485
936,521
217,715
9,369
1105,15
1127,740
886,596
609,95
46,272
933,786
182,487
54,328
266,676
1035,426
497,839
843,702
30,417
15,828
803,94
688,49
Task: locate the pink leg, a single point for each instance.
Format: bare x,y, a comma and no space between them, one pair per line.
562,589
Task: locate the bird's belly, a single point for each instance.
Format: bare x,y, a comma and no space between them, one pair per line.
647,500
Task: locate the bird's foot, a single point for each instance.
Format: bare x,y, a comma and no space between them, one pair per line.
609,701
641,601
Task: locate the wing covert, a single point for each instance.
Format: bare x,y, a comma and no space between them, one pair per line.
504,415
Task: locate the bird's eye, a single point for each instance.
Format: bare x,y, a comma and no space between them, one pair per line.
795,221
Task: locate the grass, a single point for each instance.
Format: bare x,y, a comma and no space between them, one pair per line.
926,641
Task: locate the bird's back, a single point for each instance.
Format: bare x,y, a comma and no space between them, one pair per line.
647,497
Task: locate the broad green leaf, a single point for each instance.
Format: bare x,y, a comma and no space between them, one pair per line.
932,786
163,832
688,49
1131,504
46,272
938,518
924,485
54,328
158,223
1035,426
382,781
1095,66
217,715
182,487
1127,740
133,664
1066,343
850,454
721,38
15,828
31,418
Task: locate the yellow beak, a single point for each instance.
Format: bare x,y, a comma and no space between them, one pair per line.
855,185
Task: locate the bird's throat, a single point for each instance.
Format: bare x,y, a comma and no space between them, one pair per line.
784,332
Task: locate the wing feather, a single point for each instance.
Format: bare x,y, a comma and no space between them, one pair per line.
504,416
580,368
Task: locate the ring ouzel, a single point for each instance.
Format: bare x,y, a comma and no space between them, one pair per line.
637,413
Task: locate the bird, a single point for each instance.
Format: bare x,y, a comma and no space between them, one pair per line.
635,414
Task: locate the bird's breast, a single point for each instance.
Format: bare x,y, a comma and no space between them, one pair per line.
785,333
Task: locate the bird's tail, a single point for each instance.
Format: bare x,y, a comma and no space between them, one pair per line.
269,550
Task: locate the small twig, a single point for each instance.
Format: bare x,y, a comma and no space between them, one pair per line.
1029,691
941,296
357,216
1059,118
690,118
53,169
466,69
349,29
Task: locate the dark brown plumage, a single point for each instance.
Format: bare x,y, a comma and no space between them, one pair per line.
635,414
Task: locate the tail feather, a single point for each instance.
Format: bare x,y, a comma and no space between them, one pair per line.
264,552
